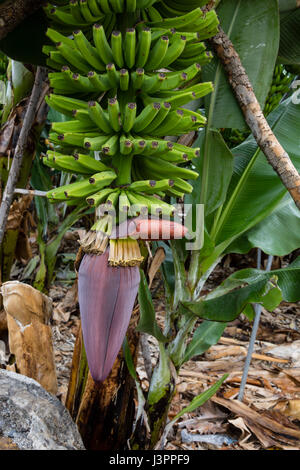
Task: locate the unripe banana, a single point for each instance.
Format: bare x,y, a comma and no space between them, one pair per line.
146,116
81,164
159,118
144,45
116,48
73,57
130,47
175,50
88,51
124,80
157,54
83,188
162,169
86,12
114,114
65,104
99,117
102,46
129,116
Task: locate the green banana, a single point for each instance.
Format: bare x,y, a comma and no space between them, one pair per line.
129,116
99,82
116,48
159,118
114,114
151,186
126,145
153,83
99,117
112,75
83,188
124,204
65,104
137,78
82,164
175,50
72,126
88,51
144,45
99,197
105,6
146,116
96,143
124,79
73,57
152,204
157,54
86,13
75,12
163,168
102,46
130,47
111,146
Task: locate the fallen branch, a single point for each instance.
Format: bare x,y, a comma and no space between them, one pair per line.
254,117
13,12
13,176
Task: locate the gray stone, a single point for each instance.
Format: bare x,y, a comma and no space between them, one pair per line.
33,418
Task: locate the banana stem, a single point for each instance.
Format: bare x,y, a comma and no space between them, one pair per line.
123,165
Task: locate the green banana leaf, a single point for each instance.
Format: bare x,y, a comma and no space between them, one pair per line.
246,287
288,279
22,80
253,27
199,400
215,167
206,335
289,49
147,322
278,234
256,190
225,304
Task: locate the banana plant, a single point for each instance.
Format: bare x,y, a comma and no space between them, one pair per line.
121,104
124,73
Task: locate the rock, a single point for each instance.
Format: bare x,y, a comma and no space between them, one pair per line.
32,418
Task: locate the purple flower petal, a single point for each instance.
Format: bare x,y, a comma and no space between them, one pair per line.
106,299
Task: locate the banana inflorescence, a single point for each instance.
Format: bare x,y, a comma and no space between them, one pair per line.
123,71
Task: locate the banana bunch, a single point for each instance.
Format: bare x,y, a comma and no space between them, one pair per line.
280,86
124,88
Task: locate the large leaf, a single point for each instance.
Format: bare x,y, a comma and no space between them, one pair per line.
256,190
278,234
226,302
206,335
288,279
215,167
253,27
289,49
147,323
